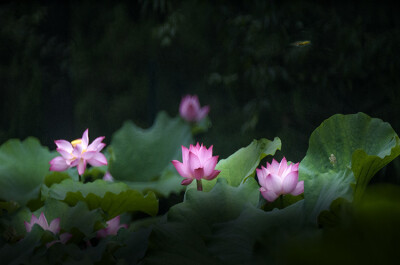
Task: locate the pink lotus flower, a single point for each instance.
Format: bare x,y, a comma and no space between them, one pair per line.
190,109
54,227
78,153
198,163
279,179
108,177
112,228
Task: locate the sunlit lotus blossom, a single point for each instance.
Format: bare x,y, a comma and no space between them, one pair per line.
190,109
279,179
78,153
54,227
197,163
112,228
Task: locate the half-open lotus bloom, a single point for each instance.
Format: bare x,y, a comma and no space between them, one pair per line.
112,228
78,153
190,109
54,227
198,163
279,179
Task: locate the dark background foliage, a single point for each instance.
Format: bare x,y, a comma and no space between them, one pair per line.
66,66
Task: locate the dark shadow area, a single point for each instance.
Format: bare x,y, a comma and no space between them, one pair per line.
266,68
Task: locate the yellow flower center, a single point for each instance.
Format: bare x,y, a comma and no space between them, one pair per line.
75,142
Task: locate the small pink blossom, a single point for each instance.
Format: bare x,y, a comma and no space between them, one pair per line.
279,179
198,163
112,228
108,177
190,109
54,227
78,153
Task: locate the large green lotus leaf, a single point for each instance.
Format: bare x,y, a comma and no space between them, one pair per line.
142,154
365,166
55,177
134,245
243,162
183,238
223,203
169,182
61,254
113,198
23,166
343,150
78,216
15,222
99,187
8,207
256,234
20,252
127,247
116,204
74,254
175,243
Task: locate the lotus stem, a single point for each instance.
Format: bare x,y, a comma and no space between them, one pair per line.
199,185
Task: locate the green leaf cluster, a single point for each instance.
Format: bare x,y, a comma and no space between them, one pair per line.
24,166
113,198
345,152
231,224
142,157
227,223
